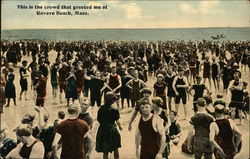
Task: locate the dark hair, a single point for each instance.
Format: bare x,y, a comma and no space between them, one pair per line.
245,93
45,118
146,90
28,119
72,111
24,62
24,130
11,69
208,100
158,101
198,77
174,112
219,95
61,114
201,102
220,109
245,84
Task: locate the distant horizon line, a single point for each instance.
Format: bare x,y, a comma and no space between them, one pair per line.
117,28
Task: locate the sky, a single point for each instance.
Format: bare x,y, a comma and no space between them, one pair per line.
129,14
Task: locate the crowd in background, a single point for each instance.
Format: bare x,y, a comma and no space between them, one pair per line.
153,78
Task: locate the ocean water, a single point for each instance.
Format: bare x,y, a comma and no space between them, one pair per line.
232,34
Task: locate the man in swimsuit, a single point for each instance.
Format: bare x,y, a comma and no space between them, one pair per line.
71,132
180,84
237,99
150,135
41,90
203,129
229,137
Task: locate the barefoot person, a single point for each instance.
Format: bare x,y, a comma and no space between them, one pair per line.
125,91
150,136
54,79
207,71
23,80
71,87
180,84
62,80
135,85
79,74
215,73
40,89
170,91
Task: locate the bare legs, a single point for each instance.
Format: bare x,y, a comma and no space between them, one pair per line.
128,103
54,92
170,103
8,102
209,81
233,113
185,110
216,84
25,95
106,154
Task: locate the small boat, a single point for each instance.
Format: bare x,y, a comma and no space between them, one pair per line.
218,37
215,37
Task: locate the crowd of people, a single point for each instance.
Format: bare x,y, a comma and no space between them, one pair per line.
152,78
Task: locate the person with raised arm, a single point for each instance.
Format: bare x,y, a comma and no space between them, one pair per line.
29,147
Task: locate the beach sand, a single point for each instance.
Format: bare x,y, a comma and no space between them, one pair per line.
13,114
